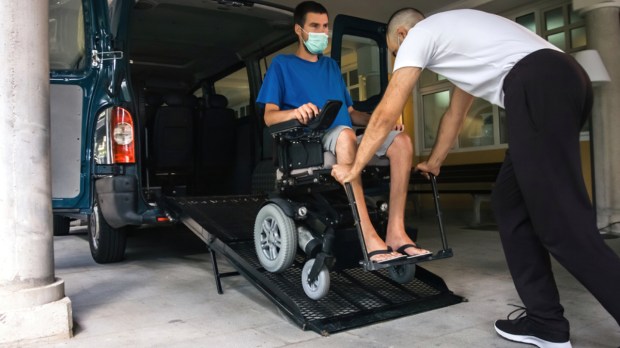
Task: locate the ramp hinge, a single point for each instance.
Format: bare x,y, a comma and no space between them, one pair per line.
99,57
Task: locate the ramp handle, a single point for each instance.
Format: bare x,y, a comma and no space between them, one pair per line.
442,233
356,218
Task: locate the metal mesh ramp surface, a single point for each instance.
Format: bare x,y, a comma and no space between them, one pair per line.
356,297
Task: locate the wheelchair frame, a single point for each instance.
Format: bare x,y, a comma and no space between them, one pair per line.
299,146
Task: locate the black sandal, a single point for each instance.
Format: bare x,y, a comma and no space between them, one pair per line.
404,247
384,252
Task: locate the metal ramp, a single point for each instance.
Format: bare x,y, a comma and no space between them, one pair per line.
356,297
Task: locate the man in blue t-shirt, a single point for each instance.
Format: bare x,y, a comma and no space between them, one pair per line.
296,85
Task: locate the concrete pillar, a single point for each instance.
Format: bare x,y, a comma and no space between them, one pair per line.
603,31
32,301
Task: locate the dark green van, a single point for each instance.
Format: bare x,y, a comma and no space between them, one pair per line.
155,98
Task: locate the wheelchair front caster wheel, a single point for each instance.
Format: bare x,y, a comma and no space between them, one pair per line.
275,238
402,274
319,288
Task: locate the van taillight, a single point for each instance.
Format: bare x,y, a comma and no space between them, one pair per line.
122,135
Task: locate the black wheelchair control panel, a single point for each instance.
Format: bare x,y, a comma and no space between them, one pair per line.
321,122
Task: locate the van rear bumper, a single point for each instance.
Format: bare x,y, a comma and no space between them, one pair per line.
118,200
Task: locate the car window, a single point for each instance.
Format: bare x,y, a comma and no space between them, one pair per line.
236,88
66,35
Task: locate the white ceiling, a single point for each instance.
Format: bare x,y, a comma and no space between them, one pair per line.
381,10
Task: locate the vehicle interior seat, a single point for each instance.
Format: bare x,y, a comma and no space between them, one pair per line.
172,141
217,146
148,103
244,155
264,174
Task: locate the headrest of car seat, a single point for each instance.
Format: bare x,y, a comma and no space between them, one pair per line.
175,99
217,101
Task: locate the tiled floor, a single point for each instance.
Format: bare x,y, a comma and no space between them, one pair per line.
163,295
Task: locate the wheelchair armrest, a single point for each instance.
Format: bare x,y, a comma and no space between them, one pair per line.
322,121
286,126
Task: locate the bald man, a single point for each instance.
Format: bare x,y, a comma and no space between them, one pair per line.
540,199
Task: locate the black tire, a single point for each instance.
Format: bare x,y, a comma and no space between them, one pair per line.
402,274
275,238
107,244
61,225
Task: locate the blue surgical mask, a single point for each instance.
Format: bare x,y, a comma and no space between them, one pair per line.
316,43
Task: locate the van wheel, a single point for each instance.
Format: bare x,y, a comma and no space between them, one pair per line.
275,238
402,274
107,244
61,225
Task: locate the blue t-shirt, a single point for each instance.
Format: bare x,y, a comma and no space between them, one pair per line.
291,82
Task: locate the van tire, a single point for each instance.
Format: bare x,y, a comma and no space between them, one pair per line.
61,225
107,244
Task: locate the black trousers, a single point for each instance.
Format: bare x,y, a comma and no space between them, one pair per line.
540,199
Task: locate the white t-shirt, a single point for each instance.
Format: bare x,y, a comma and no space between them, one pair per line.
473,49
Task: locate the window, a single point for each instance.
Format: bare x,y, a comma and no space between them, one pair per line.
528,21
560,25
478,127
352,81
236,88
360,67
484,125
66,35
434,105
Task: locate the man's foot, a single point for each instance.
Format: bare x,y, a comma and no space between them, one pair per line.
377,250
525,330
380,256
411,250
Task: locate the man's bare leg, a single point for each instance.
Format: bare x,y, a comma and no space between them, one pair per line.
346,147
400,154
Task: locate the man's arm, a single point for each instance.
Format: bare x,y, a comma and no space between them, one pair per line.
382,121
303,114
358,118
449,128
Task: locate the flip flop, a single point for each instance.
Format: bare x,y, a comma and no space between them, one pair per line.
404,247
384,252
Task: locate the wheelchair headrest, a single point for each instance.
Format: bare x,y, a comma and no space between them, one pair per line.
217,101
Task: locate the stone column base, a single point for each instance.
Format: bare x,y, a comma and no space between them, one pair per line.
51,320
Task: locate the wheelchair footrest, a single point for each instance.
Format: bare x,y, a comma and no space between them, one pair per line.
374,266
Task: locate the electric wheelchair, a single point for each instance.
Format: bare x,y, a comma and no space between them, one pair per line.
311,211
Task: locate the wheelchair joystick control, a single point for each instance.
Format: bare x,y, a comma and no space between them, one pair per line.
307,242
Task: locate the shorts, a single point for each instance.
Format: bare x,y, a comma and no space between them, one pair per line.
330,138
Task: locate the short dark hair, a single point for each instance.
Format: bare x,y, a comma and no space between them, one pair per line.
304,8
408,17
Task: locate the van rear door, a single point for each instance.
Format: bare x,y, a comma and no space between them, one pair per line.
81,72
360,47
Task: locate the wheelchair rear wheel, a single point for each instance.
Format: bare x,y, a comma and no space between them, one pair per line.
319,288
275,238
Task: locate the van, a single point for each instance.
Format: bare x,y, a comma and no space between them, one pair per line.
155,98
